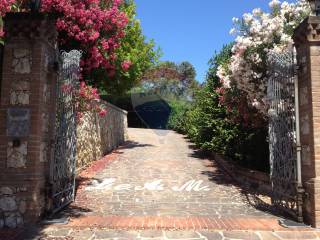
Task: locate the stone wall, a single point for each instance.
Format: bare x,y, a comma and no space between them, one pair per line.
13,206
97,136
25,107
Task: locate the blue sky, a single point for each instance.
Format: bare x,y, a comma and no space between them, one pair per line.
192,30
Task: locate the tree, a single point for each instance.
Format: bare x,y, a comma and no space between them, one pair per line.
188,73
134,57
163,70
170,80
206,122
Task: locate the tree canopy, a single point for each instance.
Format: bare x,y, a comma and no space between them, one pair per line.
134,56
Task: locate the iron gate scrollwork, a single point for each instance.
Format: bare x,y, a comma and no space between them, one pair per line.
286,189
63,164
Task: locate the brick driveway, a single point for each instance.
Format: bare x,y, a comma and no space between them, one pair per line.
158,187
156,170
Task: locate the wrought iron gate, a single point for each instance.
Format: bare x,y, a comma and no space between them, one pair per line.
286,194
63,164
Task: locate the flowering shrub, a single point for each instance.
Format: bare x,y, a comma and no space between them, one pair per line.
5,6
84,24
126,65
86,99
94,26
257,34
85,21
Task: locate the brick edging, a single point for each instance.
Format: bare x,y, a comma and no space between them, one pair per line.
179,223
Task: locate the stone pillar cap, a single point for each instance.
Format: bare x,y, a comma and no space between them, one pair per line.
308,30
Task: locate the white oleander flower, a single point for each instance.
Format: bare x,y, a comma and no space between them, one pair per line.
258,34
274,3
257,12
233,31
235,20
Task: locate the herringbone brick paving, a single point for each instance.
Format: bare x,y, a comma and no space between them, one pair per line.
158,187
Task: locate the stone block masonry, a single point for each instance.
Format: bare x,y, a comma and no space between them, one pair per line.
27,120
97,136
26,103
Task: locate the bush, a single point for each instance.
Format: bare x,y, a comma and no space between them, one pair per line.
177,117
212,128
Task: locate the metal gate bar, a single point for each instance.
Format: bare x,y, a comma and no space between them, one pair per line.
284,161
63,164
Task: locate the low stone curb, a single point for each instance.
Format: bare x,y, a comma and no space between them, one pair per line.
248,178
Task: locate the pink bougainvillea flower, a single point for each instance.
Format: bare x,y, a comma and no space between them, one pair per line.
82,84
96,27
103,113
5,6
126,65
82,22
79,116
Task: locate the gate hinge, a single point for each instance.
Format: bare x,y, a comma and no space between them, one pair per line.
299,147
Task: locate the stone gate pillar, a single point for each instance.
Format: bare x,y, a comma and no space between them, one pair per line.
25,107
307,41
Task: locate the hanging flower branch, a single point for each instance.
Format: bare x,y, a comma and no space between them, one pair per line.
257,34
87,99
95,27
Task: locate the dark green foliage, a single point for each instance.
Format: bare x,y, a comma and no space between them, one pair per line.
177,117
210,127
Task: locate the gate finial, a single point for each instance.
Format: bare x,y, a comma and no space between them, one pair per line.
315,7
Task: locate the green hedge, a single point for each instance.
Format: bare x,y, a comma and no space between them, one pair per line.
208,124
177,120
